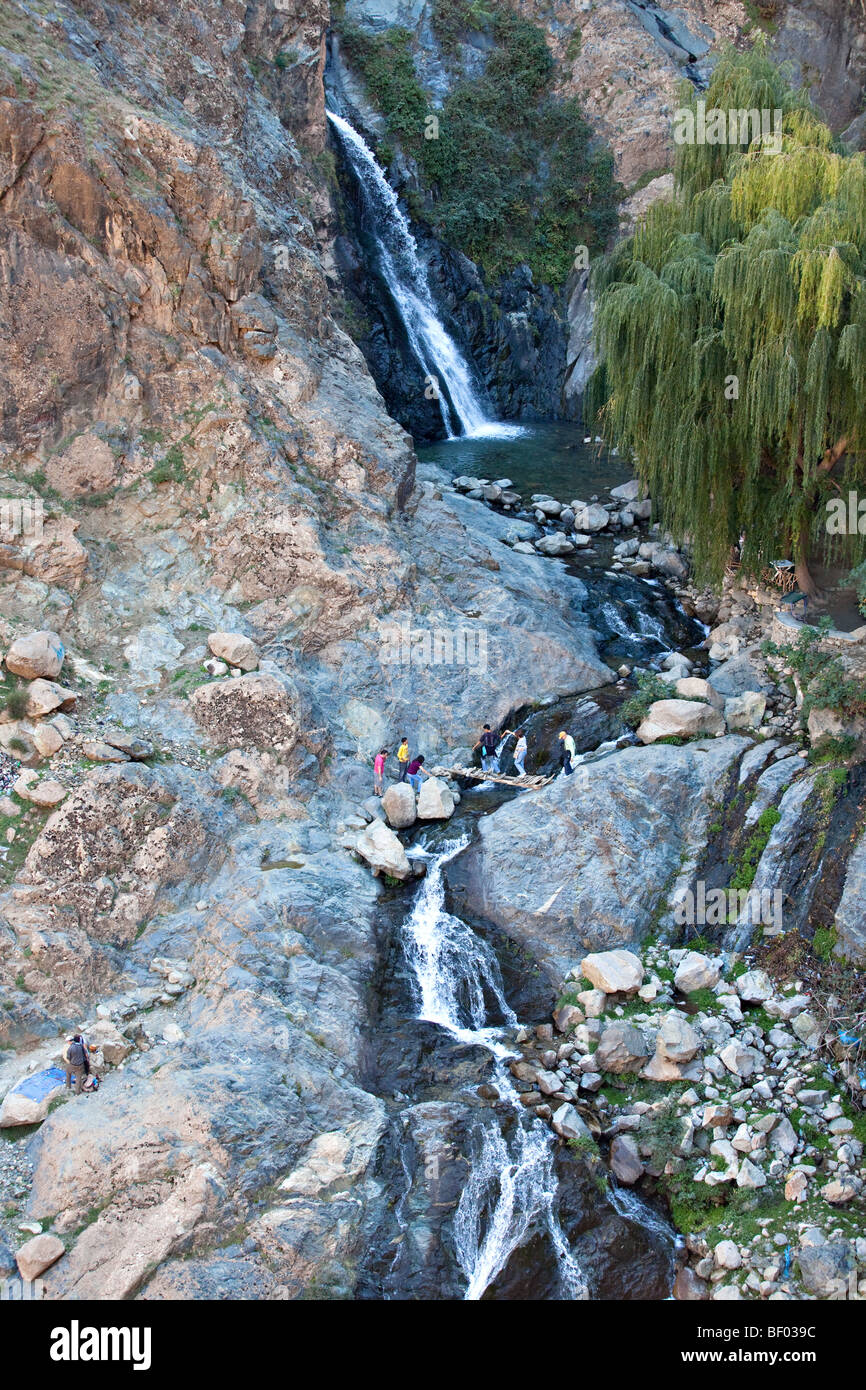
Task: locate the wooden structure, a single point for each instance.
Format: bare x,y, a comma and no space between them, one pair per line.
474,774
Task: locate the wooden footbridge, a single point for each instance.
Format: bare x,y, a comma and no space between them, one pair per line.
474,774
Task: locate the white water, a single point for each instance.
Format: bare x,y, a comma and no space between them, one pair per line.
406,277
511,1186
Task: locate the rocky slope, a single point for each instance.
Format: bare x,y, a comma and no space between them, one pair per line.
215,462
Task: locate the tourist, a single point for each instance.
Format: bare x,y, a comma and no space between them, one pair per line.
75,1062
415,772
487,744
519,754
403,757
379,771
568,752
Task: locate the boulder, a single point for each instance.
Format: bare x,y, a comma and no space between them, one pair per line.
260,709
622,1047
379,847
44,697
44,794
614,972
591,518
739,674
38,1254
626,492
557,544
568,1017
39,654
750,1175
21,1109
696,971
101,752
694,688
739,1060
133,745
625,1161
677,1040
47,740
680,719
727,1255
567,1123
689,1287
755,987
745,711
235,649
435,801
398,803
824,1266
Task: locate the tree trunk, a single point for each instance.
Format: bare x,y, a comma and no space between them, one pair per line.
805,582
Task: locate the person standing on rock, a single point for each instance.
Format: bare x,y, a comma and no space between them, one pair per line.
379,771
75,1062
403,757
415,772
487,744
568,753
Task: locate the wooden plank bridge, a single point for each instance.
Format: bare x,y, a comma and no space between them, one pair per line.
474,774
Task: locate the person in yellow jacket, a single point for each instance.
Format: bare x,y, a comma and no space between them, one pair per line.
403,757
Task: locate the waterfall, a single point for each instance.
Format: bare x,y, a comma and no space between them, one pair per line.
400,266
511,1185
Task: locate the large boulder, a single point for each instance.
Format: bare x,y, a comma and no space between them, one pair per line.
755,987
259,709
591,518
44,697
235,649
622,1047
696,688
29,1101
398,803
739,674
677,1040
39,1254
653,804
39,654
557,544
625,1160
435,801
697,971
680,719
745,711
824,1265
379,847
567,1123
614,972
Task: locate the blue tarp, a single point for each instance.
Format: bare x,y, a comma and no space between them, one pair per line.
41,1084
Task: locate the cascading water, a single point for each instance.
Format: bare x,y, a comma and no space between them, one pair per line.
403,272
511,1186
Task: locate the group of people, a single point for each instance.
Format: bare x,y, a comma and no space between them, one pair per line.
490,744
411,769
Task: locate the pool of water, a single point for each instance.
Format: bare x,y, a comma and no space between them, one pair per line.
542,458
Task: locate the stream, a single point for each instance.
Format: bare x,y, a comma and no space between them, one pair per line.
482,1200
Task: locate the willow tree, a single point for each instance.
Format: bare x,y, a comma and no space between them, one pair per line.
731,330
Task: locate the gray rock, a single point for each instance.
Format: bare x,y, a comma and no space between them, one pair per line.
622,1048
680,719
625,1159
398,803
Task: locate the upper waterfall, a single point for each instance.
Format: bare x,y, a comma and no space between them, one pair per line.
443,363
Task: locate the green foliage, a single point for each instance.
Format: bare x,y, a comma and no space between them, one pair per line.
826,683
746,865
511,177
453,18
704,1001
823,942
857,578
171,468
754,271
650,688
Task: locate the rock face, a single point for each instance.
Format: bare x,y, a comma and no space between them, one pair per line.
851,912
603,844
